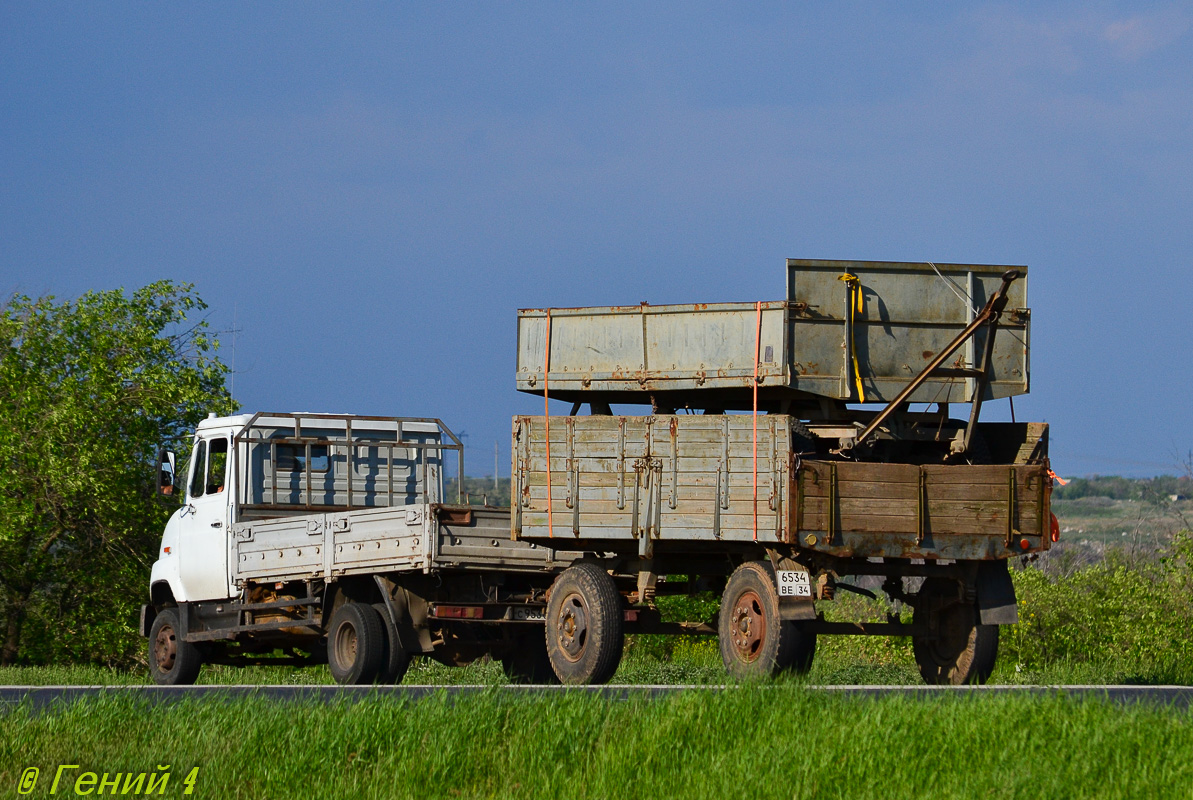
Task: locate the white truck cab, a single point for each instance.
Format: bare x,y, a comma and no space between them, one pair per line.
257,465
193,557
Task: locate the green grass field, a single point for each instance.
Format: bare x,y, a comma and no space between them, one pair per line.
754,741
649,660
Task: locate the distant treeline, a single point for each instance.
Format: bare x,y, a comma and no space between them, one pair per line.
480,491
1116,488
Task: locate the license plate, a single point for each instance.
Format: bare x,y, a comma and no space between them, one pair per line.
530,614
794,583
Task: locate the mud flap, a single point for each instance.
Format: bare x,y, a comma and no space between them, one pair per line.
792,608
413,638
148,614
996,594
796,608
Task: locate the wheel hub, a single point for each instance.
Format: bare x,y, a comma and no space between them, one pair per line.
573,627
165,648
346,644
748,625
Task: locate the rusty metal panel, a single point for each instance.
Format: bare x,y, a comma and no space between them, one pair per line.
804,344
909,313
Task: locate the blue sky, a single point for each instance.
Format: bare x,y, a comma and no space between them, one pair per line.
368,193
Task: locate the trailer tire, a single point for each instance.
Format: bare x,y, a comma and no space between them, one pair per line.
355,644
584,632
755,642
529,662
963,651
172,661
394,660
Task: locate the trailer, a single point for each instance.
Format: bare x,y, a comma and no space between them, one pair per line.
303,538
809,485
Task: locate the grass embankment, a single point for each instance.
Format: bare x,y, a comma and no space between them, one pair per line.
763,741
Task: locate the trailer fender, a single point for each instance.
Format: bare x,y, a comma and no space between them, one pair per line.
996,594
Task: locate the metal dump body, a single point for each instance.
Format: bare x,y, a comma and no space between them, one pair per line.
675,481
806,345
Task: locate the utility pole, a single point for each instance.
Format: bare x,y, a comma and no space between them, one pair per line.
496,460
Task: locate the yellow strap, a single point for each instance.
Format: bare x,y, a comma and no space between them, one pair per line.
856,305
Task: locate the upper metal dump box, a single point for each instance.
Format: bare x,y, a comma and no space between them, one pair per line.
893,319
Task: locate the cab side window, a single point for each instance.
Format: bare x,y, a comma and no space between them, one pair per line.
217,465
198,468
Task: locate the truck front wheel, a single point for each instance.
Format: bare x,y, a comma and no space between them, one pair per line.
585,619
172,661
355,644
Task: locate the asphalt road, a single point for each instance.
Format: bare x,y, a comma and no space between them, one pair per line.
41,697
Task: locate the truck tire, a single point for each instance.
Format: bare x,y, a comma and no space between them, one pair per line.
355,644
172,662
754,641
394,660
962,651
585,635
529,662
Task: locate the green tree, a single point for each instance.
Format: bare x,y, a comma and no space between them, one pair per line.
88,391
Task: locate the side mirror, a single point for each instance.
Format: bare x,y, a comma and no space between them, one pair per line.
167,474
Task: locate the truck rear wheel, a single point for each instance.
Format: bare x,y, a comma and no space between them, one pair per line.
755,642
394,660
355,644
962,651
585,633
172,661
529,661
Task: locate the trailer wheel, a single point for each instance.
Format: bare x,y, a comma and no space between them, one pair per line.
755,642
529,661
962,651
394,660
355,644
584,625
172,661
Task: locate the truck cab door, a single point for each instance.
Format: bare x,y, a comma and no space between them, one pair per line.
203,535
